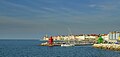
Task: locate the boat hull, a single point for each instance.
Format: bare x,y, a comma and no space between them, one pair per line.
67,45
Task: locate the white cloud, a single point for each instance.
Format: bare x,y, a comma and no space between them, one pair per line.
24,7
92,5
105,6
108,7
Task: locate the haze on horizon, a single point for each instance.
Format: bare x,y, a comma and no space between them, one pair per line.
32,19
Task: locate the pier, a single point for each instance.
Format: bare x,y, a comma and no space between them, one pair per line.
54,44
59,44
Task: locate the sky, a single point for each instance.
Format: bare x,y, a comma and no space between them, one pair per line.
33,19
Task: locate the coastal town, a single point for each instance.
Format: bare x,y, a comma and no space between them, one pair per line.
111,37
103,41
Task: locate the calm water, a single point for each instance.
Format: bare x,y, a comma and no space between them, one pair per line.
29,48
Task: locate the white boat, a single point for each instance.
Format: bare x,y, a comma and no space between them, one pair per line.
67,45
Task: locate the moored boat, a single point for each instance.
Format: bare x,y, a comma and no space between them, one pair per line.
67,45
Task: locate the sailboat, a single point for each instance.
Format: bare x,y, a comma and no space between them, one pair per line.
68,44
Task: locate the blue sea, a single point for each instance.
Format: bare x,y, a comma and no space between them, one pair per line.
30,48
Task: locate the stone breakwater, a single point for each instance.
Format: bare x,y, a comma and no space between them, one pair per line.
115,47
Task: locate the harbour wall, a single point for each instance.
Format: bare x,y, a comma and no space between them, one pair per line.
115,47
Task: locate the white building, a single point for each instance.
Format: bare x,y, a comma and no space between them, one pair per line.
80,37
105,36
114,35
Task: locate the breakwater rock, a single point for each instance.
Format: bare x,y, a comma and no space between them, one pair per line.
115,47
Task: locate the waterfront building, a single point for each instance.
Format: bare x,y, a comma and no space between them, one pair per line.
80,37
90,36
114,35
117,35
56,38
65,37
46,37
105,36
111,37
